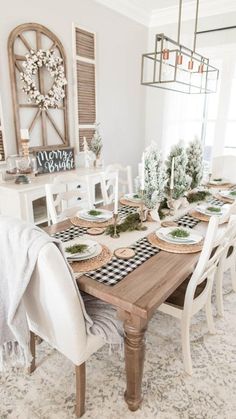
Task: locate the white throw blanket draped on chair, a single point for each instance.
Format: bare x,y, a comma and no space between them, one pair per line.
20,244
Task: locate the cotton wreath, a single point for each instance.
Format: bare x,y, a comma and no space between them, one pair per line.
54,65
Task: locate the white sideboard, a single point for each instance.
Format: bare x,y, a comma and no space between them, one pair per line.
19,200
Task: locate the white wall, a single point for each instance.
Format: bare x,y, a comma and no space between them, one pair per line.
215,45
120,43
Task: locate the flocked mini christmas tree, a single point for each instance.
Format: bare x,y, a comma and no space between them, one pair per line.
96,142
195,162
182,180
155,179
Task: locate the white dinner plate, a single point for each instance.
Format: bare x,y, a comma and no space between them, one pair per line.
164,234
228,194
203,210
132,197
94,249
101,218
214,181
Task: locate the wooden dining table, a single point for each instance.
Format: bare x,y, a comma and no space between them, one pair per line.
136,298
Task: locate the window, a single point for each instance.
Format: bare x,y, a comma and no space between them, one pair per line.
85,75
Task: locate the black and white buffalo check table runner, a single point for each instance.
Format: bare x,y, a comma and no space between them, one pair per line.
117,269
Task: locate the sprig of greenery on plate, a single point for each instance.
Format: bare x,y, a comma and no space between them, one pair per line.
214,209
77,248
233,193
219,179
94,213
179,233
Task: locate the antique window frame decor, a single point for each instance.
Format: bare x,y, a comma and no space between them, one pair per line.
85,83
44,115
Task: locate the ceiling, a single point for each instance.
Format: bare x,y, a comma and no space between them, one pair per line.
153,13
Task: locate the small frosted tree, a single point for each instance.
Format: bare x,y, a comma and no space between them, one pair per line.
182,180
195,162
96,142
155,179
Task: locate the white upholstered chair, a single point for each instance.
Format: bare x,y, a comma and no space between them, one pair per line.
125,177
195,292
64,198
55,314
224,166
227,263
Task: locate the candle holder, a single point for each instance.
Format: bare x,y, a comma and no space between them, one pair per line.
171,202
115,234
141,209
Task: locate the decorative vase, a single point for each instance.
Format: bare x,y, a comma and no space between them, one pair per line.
97,161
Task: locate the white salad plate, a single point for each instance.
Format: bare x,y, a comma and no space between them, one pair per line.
164,233
132,197
223,181
203,210
104,215
94,249
227,194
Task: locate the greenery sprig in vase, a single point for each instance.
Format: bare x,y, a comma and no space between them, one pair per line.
96,145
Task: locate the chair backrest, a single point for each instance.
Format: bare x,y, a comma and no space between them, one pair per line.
109,183
53,306
125,177
224,166
205,267
61,195
229,241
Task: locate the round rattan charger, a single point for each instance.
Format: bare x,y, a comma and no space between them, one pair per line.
94,263
172,247
76,221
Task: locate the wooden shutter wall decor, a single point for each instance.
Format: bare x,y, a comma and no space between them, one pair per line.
86,84
48,128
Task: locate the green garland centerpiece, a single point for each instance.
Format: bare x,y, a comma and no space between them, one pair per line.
131,223
198,196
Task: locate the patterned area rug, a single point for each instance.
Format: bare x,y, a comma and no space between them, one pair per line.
168,392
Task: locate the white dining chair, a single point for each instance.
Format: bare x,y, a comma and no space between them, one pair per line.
64,198
195,292
227,263
106,183
224,167
55,314
125,177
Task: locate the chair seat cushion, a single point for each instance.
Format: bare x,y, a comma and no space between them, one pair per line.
177,297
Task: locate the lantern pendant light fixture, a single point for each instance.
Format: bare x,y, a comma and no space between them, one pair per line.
172,66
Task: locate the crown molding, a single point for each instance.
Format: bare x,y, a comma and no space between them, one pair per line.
169,15
128,9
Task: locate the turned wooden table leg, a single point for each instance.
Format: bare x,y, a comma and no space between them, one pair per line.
134,362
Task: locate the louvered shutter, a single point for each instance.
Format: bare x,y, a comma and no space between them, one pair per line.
86,84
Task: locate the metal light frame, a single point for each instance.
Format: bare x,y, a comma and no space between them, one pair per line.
164,67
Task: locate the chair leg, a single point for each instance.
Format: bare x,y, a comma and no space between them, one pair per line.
185,328
219,293
32,366
233,276
209,316
80,373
